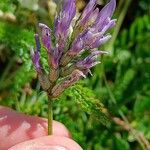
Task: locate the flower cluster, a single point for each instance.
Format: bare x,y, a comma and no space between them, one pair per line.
74,49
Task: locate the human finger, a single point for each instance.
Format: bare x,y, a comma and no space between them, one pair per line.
17,127
48,143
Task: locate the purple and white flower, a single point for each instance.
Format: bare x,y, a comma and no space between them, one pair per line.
89,33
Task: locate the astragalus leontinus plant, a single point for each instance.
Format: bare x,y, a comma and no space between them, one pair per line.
72,48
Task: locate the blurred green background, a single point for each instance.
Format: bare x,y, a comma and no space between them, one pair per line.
107,111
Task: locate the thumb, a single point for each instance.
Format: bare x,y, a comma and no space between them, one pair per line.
48,143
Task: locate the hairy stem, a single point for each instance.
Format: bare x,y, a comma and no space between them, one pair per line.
50,116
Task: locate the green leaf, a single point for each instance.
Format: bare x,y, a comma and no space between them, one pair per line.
86,99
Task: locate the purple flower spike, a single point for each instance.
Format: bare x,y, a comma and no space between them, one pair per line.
66,57
46,37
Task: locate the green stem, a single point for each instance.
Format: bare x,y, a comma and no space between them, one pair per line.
17,104
119,23
50,115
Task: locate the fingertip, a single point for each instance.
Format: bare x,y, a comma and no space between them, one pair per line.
48,143
61,130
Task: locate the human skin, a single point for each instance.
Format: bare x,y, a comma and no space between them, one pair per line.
20,132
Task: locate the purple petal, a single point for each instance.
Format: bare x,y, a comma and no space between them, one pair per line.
87,65
36,59
100,41
67,82
63,21
37,42
89,8
89,15
88,38
94,64
93,16
89,61
55,58
107,11
76,47
46,36
35,54
111,24
79,73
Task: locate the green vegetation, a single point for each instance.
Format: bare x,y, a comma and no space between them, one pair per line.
119,87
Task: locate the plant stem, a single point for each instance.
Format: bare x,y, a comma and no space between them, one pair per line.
17,103
50,115
119,23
